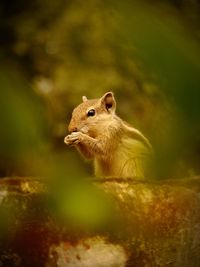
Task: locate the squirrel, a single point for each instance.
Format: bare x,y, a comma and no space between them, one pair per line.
118,150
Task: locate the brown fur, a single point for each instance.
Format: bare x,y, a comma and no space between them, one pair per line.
118,150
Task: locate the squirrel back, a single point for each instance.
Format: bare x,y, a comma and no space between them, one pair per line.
118,150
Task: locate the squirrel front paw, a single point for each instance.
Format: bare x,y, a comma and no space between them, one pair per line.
73,139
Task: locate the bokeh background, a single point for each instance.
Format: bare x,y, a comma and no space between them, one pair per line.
53,52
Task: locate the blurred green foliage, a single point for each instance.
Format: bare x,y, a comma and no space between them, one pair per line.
54,52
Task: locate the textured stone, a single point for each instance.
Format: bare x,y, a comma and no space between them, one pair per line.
154,225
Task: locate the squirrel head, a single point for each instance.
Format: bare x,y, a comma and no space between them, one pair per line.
87,116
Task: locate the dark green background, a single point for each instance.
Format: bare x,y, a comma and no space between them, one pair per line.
53,52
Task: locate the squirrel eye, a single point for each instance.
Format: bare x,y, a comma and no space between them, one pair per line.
91,112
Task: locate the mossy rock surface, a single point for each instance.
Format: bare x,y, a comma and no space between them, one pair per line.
157,224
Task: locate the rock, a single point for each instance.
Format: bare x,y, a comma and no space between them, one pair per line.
89,252
162,222
154,224
26,227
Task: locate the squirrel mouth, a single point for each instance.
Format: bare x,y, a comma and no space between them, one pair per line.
73,130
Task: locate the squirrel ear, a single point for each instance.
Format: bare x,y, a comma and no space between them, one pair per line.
84,98
109,102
